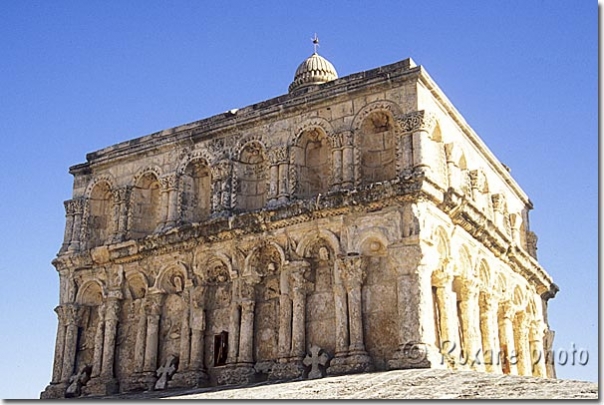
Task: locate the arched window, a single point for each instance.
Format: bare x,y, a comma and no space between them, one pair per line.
251,193
145,206
377,144
313,163
196,191
100,224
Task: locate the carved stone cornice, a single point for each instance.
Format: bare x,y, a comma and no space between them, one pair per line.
416,121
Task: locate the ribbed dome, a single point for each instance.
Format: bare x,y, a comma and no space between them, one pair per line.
314,70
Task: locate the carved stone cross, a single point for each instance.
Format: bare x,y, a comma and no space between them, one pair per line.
165,372
77,381
316,359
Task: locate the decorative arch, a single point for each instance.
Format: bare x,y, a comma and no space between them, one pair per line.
195,190
145,202
375,140
310,157
137,284
309,239
91,293
440,239
368,236
484,274
277,257
311,124
99,215
200,153
464,267
252,181
171,279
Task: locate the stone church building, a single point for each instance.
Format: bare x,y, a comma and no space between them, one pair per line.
353,224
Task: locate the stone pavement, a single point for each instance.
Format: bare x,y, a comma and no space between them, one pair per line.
403,384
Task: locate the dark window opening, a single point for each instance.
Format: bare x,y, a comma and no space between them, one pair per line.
221,343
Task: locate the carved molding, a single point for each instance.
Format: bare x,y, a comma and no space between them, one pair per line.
416,121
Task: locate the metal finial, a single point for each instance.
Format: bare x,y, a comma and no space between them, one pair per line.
315,41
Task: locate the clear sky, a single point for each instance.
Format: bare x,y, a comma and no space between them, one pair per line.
77,76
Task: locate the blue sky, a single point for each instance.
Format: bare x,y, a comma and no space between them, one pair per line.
79,76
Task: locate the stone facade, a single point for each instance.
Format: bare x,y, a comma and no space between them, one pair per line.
354,225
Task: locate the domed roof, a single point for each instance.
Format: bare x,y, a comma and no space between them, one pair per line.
314,70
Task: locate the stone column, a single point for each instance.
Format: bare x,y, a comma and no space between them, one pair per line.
273,183
70,312
198,327
246,336
153,310
521,337
507,331
185,341
419,124
172,202
537,350
446,304
77,208
283,195
353,281
97,358
111,320
122,196
341,310
168,212
69,214
299,312
336,161
488,328
285,316
347,160
234,324
141,333
470,318
59,343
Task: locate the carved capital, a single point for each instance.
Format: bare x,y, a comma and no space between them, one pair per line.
499,203
468,290
153,303
278,155
353,273
416,121
74,206
122,194
68,313
168,182
247,306
112,309
221,170
441,279
478,180
337,140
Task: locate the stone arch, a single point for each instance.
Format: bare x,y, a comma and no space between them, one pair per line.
195,190
172,278
310,157
375,145
137,284
273,252
484,275
382,105
100,213
251,184
464,263
518,298
308,239
312,124
145,203
200,153
366,238
440,239
91,293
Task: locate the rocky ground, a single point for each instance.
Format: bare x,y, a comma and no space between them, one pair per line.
403,384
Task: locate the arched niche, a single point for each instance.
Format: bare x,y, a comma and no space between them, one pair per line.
100,215
320,308
145,205
377,147
379,298
265,264
312,157
252,169
196,191
90,298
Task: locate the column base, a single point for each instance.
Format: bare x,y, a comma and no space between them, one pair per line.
287,368
189,379
235,374
101,386
53,391
415,355
141,381
353,362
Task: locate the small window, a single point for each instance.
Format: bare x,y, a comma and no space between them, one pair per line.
221,343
